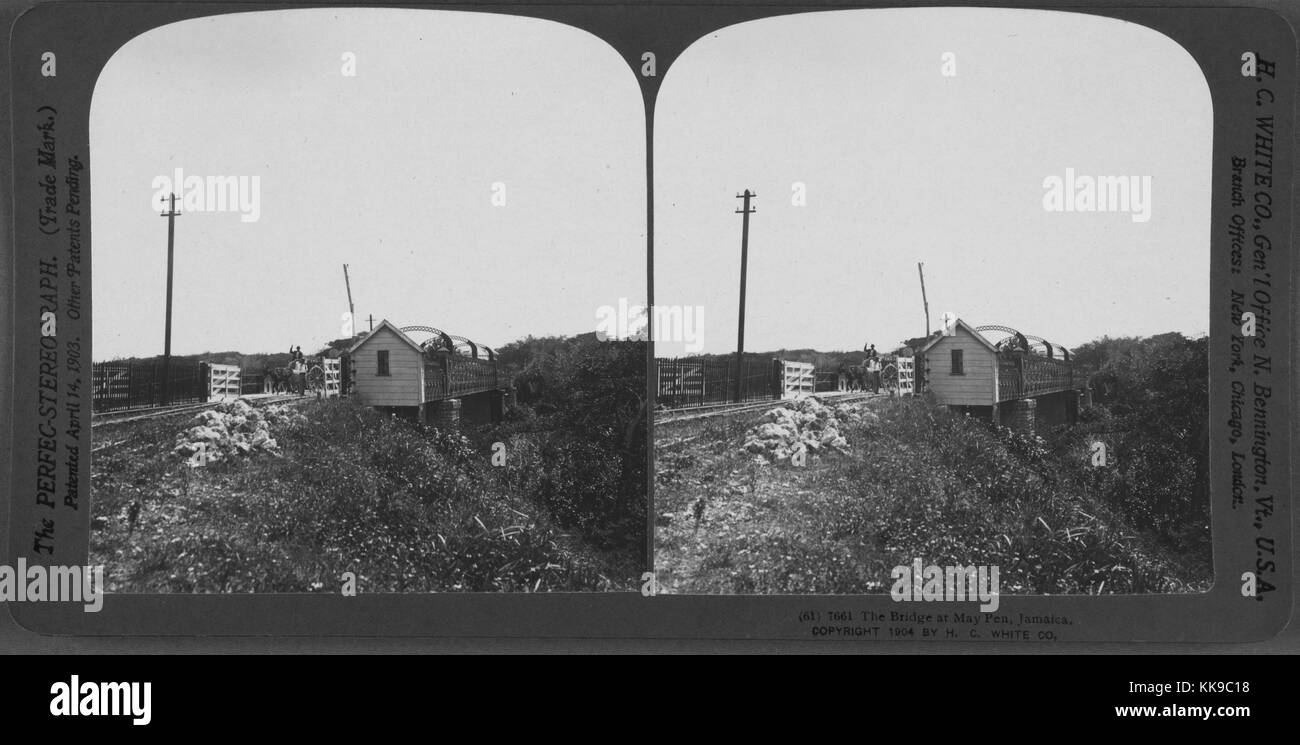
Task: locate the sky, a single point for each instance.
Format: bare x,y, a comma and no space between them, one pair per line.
392,171
902,164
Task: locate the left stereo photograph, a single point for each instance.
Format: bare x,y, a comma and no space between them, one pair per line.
349,294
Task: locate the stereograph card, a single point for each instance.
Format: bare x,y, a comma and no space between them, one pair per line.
831,322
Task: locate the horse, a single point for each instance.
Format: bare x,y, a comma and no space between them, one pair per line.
856,376
281,379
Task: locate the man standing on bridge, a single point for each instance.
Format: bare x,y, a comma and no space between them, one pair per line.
871,368
298,368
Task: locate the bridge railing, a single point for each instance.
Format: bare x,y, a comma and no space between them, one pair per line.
116,386
826,381
448,375
253,382
699,382
1023,375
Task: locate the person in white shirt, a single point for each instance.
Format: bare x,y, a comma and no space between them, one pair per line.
873,373
299,370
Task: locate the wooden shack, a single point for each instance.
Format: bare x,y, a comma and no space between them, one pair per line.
432,382
1012,385
961,367
387,369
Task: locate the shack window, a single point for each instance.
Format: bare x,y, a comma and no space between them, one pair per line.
383,362
957,368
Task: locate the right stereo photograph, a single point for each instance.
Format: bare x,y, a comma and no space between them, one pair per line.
929,301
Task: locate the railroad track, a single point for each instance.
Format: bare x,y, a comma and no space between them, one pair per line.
136,415
674,416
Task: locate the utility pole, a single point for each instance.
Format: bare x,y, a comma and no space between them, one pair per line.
170,214
372,321
352,312
745,211
925,302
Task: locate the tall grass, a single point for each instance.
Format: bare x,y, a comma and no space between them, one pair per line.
403,506
951,490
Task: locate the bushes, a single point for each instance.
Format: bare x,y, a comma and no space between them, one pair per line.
954,490
403,506
1152,405
993,496
586,411
921,482
423,510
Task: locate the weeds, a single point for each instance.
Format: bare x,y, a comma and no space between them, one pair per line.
403,506
920,482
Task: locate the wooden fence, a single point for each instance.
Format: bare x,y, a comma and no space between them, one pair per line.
333,368
906,367
797,379
223,382
118,386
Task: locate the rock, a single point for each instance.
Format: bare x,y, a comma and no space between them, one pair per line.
207,434
776,415
238,407
805,426
235,427
208,418
772,431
